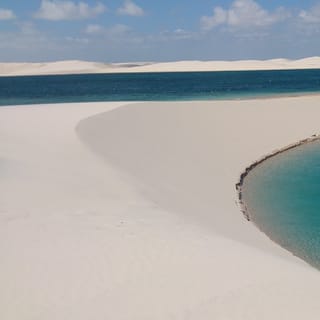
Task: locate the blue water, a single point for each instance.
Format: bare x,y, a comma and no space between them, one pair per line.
283,197
156,86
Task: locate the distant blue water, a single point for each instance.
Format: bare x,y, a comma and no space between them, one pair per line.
156,86
283,196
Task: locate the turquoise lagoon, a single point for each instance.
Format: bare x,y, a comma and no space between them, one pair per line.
282,195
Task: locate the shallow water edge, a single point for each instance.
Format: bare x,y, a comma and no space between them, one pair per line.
239,185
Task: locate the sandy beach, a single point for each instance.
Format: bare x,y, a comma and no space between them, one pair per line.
129,211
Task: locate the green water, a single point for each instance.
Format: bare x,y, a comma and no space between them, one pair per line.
283,198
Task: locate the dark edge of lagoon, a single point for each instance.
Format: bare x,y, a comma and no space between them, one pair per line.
239,185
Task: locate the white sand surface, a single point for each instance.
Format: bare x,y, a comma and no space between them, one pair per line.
112,211
78,67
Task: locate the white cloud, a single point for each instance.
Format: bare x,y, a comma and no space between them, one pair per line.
220,16
77,40
243,14
129,8
117,30
172,36
6,14
182,34
312,15
28,28
67,10
94,29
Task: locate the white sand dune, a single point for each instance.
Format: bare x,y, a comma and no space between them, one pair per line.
128,212
58,67
78,67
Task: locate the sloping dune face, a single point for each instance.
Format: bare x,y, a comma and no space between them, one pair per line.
188,156
173,150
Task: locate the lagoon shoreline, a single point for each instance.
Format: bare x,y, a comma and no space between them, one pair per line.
239,185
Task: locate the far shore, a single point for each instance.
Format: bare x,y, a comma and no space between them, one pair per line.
86,67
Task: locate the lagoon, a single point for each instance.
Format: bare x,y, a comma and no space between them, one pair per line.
282,195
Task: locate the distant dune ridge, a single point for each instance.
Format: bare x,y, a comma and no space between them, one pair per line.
78,66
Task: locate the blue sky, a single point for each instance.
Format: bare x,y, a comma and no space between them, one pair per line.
167,30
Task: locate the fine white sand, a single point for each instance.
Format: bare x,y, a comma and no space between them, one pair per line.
128,212
78,67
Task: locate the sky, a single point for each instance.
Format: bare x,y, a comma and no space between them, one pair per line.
165,30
